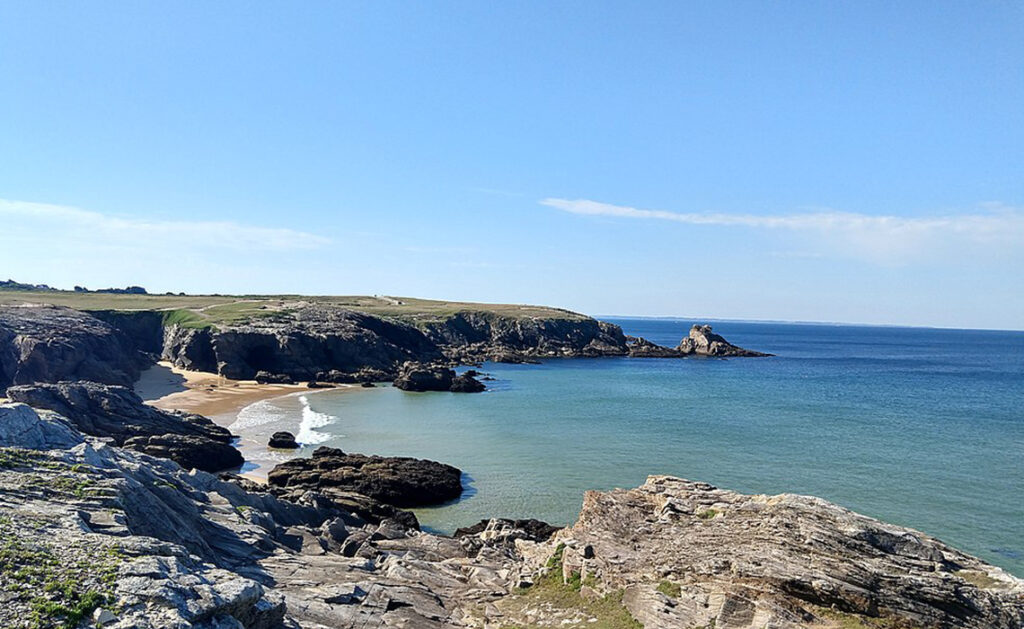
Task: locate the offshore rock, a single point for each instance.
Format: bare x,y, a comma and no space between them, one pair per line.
283,439
689,554
639,347
398,481
49,344
703,342
120,414
419,377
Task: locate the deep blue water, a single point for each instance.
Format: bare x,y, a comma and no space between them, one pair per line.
920,427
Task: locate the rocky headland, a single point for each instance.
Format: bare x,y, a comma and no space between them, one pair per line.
286,340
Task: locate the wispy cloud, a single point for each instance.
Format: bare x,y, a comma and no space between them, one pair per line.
881,238
106,230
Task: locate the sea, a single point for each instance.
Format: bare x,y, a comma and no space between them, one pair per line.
919,427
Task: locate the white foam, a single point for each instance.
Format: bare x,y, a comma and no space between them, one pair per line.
311,420
256,414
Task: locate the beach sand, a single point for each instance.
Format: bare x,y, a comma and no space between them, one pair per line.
222,399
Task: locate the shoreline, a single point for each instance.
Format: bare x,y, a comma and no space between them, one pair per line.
222,400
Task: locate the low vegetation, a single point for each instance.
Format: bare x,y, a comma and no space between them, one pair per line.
562,603
203,311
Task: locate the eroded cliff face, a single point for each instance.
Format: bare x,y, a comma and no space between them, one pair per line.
480,336
50,344
299,344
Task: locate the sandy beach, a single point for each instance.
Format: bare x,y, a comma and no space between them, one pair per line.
222,400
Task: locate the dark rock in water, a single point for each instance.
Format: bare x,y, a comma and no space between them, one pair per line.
466,384
189,451
50,344
398,481
703,342
335,377
640,347
419,377
118,413
367,385
313,384
284,440
265,377
530,529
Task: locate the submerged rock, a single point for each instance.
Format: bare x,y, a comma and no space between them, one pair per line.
398,481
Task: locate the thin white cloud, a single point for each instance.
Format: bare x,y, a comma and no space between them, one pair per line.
881,238
109,231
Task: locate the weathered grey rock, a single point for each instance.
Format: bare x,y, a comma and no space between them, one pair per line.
49,344
703,342
23,427
743,561
166,548
265,377
398,481
120,414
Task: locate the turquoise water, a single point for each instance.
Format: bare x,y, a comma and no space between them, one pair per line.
919,427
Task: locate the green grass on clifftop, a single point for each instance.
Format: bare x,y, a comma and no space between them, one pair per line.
200,311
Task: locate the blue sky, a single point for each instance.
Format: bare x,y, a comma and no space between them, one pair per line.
859,162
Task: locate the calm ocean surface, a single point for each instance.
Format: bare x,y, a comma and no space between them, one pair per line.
919,427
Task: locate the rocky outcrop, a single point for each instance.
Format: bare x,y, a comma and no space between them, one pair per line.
50,344
703,342
640,347
689,554
283,439
419,377
399,481
188,451
472,336
119,414
101,532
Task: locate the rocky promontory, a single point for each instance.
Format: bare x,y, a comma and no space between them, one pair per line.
117,413
687,554
703,342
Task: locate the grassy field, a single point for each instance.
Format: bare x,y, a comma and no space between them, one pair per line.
206,310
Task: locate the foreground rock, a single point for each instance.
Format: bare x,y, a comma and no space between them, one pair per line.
419,377
703,342
687,554
49,344
94,531
398,481
119,414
